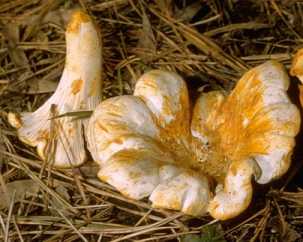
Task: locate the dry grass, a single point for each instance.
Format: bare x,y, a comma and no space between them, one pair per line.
210,43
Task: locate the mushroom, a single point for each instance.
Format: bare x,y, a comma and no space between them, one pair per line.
152,144
297,65
297,70
78,89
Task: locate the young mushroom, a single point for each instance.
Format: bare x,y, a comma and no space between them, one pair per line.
78,89
151,144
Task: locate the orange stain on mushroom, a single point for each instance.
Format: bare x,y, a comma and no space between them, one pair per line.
135,175
227,131
301,94
238,133
43,134
78,18
71,131
297,64
235,127
101,127
93,89
76,86
103,178
174,202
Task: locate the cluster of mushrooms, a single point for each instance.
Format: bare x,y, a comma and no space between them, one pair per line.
154,144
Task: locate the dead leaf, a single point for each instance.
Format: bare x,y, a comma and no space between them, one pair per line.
3,86
38,19
89,169
41,86
147,40
291,235
187,13
48,83
21,189
165,6
11,33
63,192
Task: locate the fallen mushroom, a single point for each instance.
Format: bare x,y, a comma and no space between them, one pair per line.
151,144
78,89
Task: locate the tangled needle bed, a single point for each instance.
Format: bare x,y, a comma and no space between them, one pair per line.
155,144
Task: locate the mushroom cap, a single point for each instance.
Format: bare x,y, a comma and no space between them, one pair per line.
129,135
254,129
148,144
256,120
61,139
297,65
297,70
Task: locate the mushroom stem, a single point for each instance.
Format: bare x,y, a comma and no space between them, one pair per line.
78,89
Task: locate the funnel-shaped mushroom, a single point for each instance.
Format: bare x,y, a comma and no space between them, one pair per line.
78,89
147,144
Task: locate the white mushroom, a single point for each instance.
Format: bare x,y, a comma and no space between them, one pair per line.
78,89
147,145
151,144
